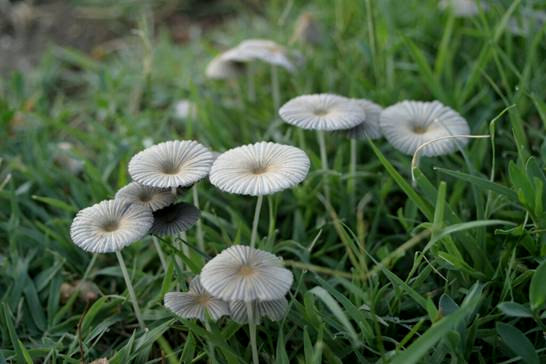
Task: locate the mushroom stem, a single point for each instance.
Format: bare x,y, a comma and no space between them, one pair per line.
272,218
251,90
131,290
254,235
324,161
160,253
275,88
200,237
352,173
252,330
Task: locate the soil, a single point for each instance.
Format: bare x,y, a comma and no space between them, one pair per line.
28,28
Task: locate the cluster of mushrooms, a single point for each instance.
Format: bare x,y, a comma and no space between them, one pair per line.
244,282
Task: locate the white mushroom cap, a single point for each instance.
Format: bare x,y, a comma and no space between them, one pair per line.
171,164
185,109
110,225
409,124
529,20
195,302
266,51
242,273
259,169
322,112
274,310
369,128
225,67
174,219
462,8
231,63
63,155
151,197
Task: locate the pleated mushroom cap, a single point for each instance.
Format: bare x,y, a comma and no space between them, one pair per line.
151,197
242,273
194,303
171,164
259,169
274,310
369,128
462,8
409,124
109,226
174,219
225,66
327,112
267,51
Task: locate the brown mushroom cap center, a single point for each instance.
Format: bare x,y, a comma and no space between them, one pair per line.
419,129
259,169
320,112
145,197
203,299
110,226
170,168
246,270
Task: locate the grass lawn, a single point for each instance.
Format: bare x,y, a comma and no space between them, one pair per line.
446,268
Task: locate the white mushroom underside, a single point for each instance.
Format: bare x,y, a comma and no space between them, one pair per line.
151,197
242,273
174,219
274,310
110,226
409,124
195,302
369,128
259,169
188,305
171,164
322,112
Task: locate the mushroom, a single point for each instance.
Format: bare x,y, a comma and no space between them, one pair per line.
257,170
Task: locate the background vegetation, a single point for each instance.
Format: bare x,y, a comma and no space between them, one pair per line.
445,270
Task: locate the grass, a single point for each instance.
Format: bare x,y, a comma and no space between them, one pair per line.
450,269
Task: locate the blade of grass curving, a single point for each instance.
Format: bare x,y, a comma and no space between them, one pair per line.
425,70
8,323
485,55
423,206
517,342
336,310
537,289
425,342
420,300
464,226
445,46
480,182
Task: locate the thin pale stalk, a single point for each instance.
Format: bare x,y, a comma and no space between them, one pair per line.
200,236
160,253
252,330
324,161
275,88
272,219
254,235
131,290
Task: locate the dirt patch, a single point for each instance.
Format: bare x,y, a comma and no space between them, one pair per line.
27,29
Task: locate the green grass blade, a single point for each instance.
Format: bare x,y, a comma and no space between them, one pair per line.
421,346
